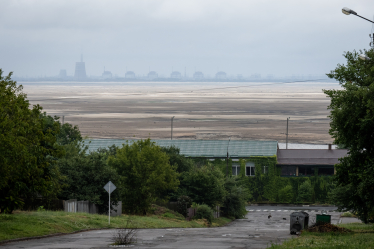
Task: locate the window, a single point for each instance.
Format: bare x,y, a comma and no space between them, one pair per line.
288,170
266,168
326,171
249,169
235,169
306,171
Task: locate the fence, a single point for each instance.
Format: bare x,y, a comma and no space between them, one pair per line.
74,206
191,212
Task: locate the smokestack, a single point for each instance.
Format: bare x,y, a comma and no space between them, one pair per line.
330,146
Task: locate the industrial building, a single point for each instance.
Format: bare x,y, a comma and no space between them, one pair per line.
152,75
130,75
62,74
221,75
175,75
198,75
106,74
80,69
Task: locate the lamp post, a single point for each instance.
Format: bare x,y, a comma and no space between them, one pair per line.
227,158
348,11
172,127
287,134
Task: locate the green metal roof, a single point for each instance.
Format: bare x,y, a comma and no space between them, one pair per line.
202,148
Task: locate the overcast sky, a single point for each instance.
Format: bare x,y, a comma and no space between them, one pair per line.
237,36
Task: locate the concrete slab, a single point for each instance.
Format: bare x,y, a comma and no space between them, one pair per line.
347,220
255,231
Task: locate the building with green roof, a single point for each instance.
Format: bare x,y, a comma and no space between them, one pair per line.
245,157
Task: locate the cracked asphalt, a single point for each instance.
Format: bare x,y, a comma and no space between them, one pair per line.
255,231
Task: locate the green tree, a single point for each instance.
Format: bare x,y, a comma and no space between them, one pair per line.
27,154
235,200
182,163
305,192
205,185
65,133
285,195
85,176
352,124
146,172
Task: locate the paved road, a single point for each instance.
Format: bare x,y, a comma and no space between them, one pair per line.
255,231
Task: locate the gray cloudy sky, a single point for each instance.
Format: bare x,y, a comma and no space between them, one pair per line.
237,36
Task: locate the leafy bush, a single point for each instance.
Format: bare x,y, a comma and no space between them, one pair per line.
204,212
285,195
183,203
235,199
305,192
204,185
234,206
85,175
146,173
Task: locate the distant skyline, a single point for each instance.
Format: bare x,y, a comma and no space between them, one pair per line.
238,37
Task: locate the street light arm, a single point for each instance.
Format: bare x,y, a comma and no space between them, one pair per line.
365,18
348,11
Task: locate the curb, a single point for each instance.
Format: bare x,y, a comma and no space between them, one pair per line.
289,205
49,235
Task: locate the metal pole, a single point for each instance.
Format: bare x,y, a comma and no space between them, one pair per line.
109,204
364,18
172,127
287,134
227,164
227,159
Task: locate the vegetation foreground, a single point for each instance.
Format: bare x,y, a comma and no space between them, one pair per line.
362,237
23,224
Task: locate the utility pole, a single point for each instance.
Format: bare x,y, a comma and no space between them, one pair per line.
287,134
227,158
172,127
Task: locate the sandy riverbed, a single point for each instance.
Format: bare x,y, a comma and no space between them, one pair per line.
202,110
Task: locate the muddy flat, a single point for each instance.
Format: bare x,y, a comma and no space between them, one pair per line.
202,110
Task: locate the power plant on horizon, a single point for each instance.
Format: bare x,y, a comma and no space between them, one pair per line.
80,74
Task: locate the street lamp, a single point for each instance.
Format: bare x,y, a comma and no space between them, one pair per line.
172,127
348,11
287,134
227,158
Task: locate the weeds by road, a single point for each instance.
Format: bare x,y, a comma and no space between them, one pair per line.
361,238
28,224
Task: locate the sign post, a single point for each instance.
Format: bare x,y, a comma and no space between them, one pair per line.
109,187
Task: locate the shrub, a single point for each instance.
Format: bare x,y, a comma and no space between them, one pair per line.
234,206
126,235
205,185
305,192
183,203
285,195
204,212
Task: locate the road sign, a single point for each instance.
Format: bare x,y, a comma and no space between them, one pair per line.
109,187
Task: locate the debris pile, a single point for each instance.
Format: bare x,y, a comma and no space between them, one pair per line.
327,228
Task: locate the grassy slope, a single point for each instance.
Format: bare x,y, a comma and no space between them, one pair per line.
362,238
28,224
